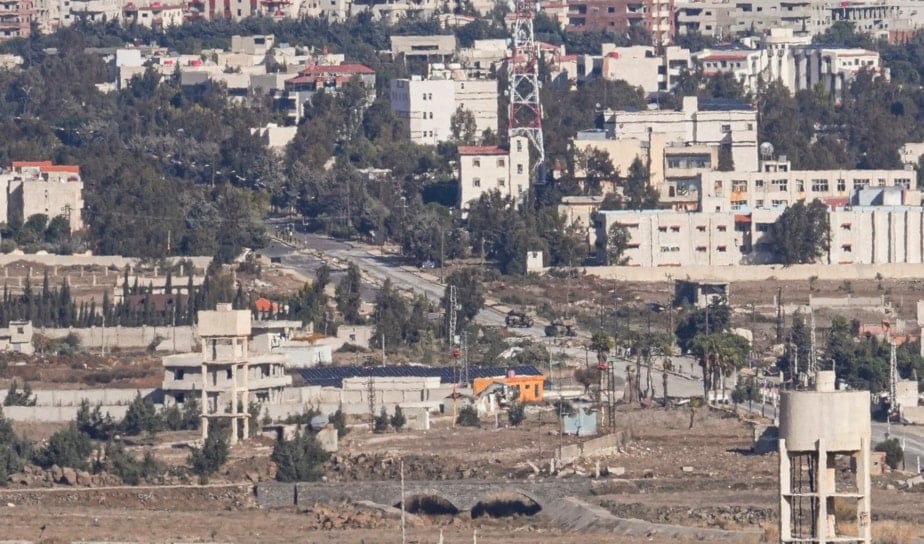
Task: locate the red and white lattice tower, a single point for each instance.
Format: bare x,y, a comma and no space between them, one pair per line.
525,113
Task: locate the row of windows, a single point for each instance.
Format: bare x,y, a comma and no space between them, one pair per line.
500,163
476,182
817,185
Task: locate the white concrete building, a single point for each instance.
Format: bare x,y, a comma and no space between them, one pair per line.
860,234
483,169
428,104
640,66
776,185
153,14
32,188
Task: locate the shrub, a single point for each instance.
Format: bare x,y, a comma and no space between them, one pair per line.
93,423
516,413
66,448
380,422
141,416
14,397
207,460
563,407
126,467
338,420
893,450
299,459
304,418
398,420
468,417
13,450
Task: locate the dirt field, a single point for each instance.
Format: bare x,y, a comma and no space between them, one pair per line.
728,488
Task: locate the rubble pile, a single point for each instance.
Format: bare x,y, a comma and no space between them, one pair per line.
362,466
706,516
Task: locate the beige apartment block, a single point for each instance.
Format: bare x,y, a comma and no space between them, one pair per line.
428,104
42,188
483,169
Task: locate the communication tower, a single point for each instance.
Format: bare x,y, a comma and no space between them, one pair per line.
525,112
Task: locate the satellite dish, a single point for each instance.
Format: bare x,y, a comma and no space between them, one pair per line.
766,150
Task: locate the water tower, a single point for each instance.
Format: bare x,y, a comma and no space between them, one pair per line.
823,432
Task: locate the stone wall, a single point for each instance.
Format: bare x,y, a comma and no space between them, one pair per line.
463,494
799,272
94,338
595,447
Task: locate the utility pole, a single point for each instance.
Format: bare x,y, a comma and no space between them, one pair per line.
403,524
370,392
383,350
779,315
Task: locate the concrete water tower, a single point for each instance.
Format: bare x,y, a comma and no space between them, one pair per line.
822,431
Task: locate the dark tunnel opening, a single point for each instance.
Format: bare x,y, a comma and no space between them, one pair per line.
505,505
428,505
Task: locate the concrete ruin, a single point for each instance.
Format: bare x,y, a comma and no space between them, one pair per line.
226,376
821,431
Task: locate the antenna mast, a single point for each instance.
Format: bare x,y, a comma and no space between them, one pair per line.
525,113
812,362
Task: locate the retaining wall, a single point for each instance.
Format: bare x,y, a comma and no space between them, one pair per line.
595,447
94,338
757,272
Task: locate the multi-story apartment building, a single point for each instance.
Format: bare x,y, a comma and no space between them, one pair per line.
313,78
15,18
655,16
653,69
332,10
428,104
483,169
777,185
893,20
791,59
153,14
33,188
678,145
889,231
94,11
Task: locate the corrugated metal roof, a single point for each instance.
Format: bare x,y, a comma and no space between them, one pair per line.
333,376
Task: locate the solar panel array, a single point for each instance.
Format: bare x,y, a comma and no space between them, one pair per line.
333,376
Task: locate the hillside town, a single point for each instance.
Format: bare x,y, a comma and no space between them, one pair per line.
582,271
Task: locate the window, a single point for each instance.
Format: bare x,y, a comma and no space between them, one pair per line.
758,203
228,373
178,373
726,129
501,163
779,203
519,169
20,330
820,185
845,226
662,229
476,182
758,184
763,227
476,163
738,204
800,185
721,249
903,182
847,248
842,185
859,183
675,228
519,146
722,228
500,182
739,186
701,228
701,249
780,184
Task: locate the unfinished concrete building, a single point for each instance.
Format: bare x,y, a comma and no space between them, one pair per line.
226,376
822,431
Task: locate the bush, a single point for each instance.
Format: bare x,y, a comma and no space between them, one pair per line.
516,413
338,420
13,450
126,467
299,459
304,418
141,417
93,423
398,420
468,417
380,422
66,448
14,397
893,450
207,460
186,419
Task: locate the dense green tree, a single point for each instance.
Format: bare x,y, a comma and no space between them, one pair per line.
469,287
299,459
720,354
638,191
141,417
15,397
614,245
206,460
348,295
800,234
66,448
14,451
798,347
712,319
